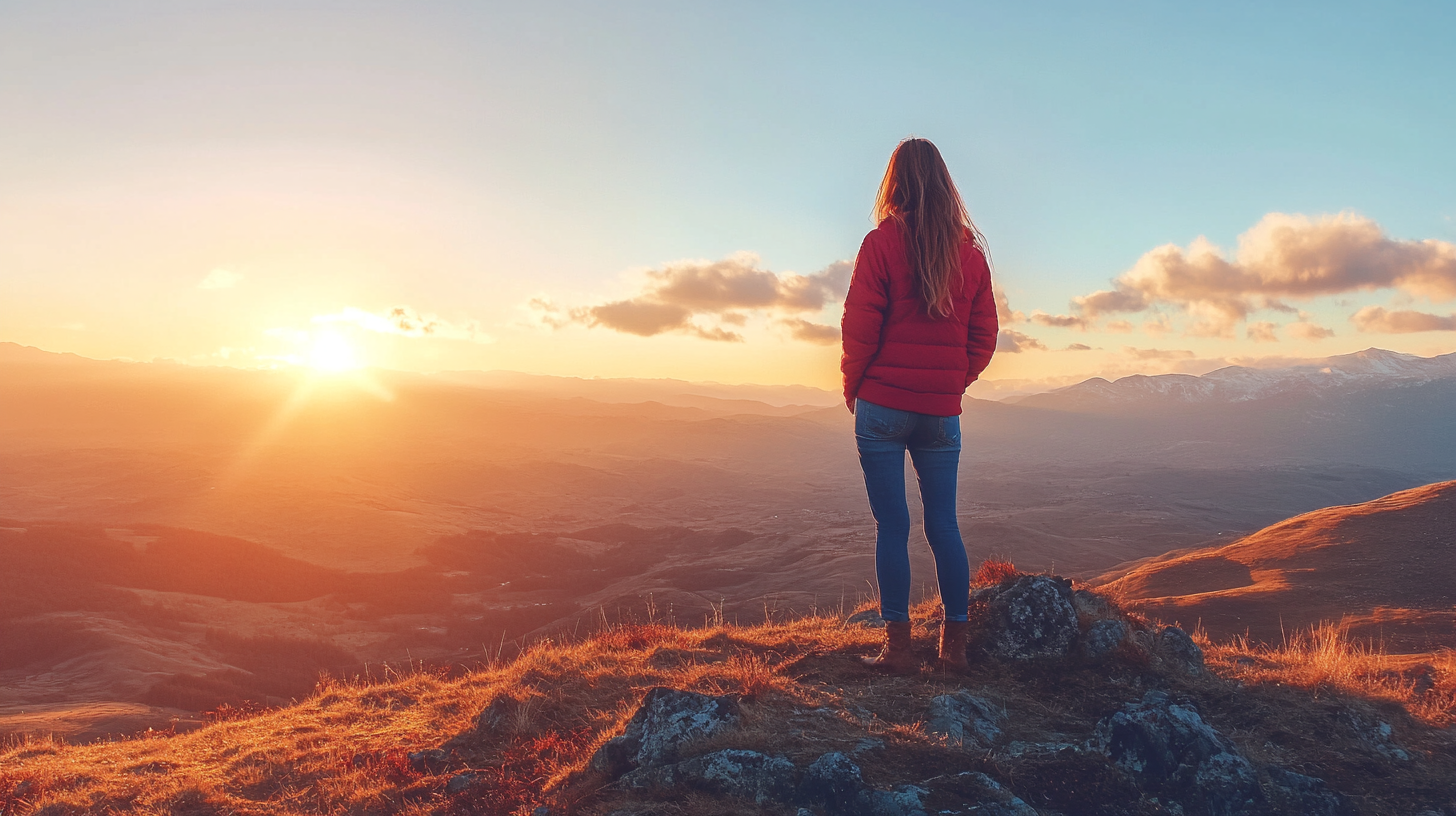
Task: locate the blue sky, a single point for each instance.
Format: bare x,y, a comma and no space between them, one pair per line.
459,160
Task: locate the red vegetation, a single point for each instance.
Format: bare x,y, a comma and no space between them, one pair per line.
993,571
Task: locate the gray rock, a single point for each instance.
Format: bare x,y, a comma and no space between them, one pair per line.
1169,750
904,800
1102,638
748,775
1295,793
869,619
868,744
964,719
990,798
832,782
1032,619
461,782
1379,736
430,760
614,758
1225,784
1177,651
668,721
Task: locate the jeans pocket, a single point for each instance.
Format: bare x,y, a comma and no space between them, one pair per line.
949,437
873,421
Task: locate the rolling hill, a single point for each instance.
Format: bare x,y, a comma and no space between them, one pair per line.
1386,568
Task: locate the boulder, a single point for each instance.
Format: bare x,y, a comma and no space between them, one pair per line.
1103,638
833,783
667,721
1169,750
1177,651
869,619
1031,619
739,774
429,761
964,720
1291,792
1379,736
982,795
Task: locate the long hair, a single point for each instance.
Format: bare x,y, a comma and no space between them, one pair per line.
920,196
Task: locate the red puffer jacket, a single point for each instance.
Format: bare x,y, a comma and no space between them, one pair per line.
895,354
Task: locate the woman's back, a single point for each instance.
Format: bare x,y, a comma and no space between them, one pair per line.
896,353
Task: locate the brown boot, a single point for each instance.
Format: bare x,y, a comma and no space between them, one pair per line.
953,646
897,657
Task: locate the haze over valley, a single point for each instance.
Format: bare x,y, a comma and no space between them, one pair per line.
182,537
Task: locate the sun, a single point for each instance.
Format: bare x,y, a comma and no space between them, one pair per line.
332,353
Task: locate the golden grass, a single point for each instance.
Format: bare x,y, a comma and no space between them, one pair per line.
345,749
1325,657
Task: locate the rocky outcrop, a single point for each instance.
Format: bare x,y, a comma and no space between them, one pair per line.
1176,651
964,720
1103,638
1032,618
1292,793
747,775
653,755
1170,751
667,721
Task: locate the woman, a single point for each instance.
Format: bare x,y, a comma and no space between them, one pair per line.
919,326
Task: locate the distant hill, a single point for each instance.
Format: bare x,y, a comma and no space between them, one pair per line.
1371,368
1387,567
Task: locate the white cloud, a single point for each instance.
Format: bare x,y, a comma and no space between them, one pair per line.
1282,256
1402,321
676,295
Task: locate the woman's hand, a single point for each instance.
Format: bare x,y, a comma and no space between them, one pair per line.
849,403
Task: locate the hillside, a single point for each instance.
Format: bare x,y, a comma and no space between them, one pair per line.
1386,568
1086,712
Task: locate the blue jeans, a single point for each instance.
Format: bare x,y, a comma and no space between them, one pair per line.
883,435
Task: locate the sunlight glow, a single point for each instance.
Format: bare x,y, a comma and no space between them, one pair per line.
332,353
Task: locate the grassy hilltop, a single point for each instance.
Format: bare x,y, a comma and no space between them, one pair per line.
362,746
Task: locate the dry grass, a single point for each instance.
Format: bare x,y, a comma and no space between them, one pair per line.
526,728
345,750
993,571
1324,657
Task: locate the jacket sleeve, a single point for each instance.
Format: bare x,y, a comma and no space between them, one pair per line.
864,316
982,329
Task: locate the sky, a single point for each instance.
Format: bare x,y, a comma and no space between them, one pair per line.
679,189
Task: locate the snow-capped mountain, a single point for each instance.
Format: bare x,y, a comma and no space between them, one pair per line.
1370,368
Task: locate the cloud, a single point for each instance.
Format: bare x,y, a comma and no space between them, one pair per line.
1264,332
220,279
1004,315
810,332
1118,326
1015,342
406,322
675,296
1404,321
1305,330
1060,321
1282,256
1079,347
1157,354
